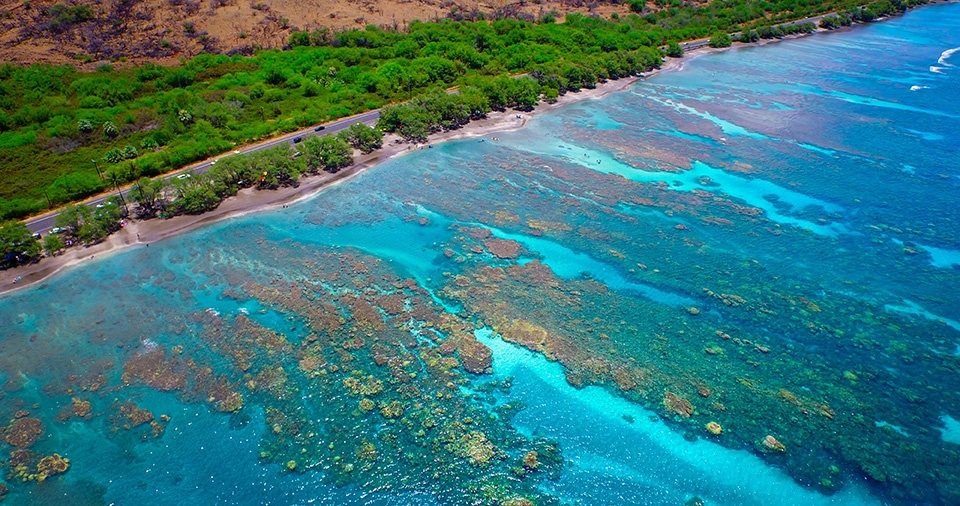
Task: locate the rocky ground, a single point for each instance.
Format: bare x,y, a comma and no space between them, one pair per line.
88,34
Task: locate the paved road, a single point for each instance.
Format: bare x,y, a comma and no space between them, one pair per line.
42,224
697,44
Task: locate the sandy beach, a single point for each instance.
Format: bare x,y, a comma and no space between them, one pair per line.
139,233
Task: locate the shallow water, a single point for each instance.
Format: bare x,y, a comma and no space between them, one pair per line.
766,240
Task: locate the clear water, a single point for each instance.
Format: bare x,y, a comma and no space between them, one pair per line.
770,236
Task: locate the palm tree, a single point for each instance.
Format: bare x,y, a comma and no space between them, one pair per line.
115,180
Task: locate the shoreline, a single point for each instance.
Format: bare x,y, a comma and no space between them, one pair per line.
249,200
140,233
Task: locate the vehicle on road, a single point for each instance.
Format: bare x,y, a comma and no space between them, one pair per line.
297,139
321,127
183,176
57,230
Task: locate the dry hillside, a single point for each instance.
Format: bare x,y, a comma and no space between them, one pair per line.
86,33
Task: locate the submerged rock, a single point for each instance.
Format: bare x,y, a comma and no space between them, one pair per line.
770,444
676,404
23,432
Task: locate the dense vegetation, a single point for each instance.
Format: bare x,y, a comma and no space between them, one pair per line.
188,193
65,134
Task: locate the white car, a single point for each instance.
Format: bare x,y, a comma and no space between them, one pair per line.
183,176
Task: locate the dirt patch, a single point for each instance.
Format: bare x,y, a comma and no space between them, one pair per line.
126,32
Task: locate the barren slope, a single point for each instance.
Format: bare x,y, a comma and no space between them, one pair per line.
86,33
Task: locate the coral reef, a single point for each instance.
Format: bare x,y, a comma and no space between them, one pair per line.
505,249
81,408
475,447
769,444
23,432
677,405
50,466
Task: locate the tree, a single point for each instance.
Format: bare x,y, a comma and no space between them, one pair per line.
53,244
299,39
830,22
69,219
148,194
326,153
99,222
276,167
362,137
674,50
413,124
115,178
17,244
194,196
721,39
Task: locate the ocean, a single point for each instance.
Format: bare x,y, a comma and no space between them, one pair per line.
734,284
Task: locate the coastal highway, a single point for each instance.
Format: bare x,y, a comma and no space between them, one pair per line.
43,223
697,44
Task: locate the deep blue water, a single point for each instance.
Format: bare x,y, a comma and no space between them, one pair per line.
801,196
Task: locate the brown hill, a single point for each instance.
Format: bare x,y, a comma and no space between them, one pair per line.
87,33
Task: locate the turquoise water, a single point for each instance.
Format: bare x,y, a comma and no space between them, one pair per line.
767,240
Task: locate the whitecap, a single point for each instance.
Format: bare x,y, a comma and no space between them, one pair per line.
915,88
944,56
935,69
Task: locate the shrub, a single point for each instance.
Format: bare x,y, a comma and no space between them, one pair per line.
674,50
721,40
110,130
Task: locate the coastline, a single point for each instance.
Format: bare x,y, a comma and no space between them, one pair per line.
139,233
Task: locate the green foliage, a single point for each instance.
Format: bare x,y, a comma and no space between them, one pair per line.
113,156
328,153
62,16
674,50
194,195
211,103
17,244
90,225
149,143
110,129
53,244
830,22
748,37
298,39
148,195
362,137
721,40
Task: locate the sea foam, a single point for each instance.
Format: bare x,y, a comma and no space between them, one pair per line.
944,56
